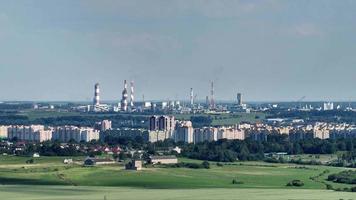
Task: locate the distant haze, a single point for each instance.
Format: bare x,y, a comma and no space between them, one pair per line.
269,50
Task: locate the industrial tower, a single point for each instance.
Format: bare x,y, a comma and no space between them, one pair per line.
96,101
132,106
212,100
191,97
124,97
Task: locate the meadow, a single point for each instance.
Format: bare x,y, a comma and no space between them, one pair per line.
48,178
26,192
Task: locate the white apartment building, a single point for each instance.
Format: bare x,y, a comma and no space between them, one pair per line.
66,133
184,132
4,131
35,133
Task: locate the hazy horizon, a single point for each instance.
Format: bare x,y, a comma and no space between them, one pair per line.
272,50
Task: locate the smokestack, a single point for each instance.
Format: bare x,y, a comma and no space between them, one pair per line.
239,99
132,94
212,100
124,97
96,101
191,97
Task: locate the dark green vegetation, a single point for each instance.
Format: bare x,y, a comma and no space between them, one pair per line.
239,180
51,171
26,116
203,165
200,120
348,177
232,150
337,116
55,118
295,183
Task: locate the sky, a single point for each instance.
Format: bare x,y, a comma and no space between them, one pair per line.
269,50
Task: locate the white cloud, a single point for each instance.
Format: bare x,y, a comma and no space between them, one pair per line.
171,8
307,30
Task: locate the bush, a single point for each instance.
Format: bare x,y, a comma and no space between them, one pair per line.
30,161
329,187
295,183
235,181
206,165
219,164
353,189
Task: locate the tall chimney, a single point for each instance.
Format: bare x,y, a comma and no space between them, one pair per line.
96,101
132,95
191,97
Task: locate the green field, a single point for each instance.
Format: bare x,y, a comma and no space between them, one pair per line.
67,181
114,193
228,118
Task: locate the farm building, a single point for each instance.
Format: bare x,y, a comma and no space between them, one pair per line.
163,159
98,161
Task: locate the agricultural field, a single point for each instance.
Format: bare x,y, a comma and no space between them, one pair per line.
257,180
26,192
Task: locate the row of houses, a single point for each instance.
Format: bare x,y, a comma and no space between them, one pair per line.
166,127
40,133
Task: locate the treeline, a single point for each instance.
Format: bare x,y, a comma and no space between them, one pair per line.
348,177
118,120
232,150
51,149
315,115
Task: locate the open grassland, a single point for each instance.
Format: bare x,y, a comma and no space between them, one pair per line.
51,171
26,192
228,118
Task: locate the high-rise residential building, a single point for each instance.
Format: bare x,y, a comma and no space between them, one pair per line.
231,133
34,133
184,132
205,134
4,131
161,127
67,133
106,125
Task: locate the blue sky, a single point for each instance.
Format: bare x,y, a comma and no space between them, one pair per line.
269,50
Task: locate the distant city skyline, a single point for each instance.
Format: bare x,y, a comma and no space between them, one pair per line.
272,50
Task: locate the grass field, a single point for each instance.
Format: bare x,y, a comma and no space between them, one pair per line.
227,118
259,179
114,193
